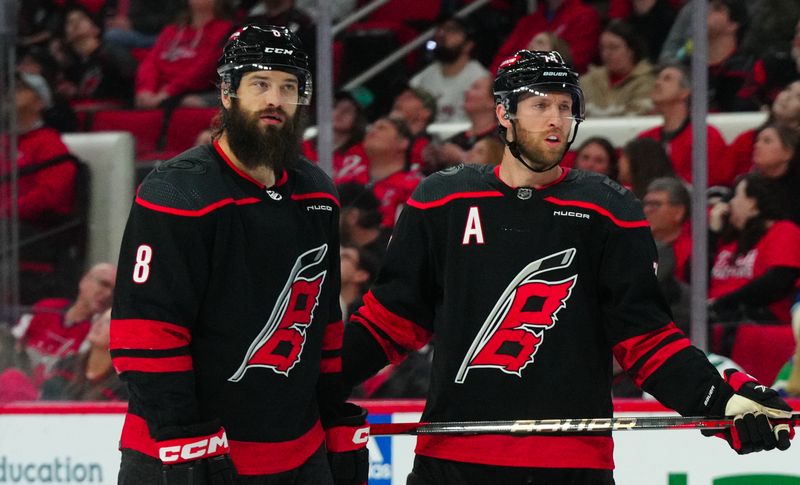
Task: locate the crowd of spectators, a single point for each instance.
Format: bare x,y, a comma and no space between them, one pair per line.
79,57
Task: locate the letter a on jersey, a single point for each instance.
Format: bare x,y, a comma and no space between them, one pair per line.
473,227
279,344
513,331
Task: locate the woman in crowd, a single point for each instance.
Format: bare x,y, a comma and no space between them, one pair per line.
784,110
349,122
621,85
757,260
643,160
775,157
181,67
597,154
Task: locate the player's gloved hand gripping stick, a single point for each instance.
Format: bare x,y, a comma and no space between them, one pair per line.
753,406
346,436
195,455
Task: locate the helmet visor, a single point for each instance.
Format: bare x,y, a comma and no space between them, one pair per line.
289,92
543,101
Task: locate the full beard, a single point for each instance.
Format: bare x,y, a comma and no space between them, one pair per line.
537,156
255,145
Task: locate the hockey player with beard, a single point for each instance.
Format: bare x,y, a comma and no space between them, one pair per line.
227,326
532,277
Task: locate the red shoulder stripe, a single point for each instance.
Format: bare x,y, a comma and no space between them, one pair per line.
196,212
457,195
316,195
147,334
601,210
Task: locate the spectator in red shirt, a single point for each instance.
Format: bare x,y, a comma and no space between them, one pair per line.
785,110
597,154
45,194
572,20
182,63
88,375
57,326
757,261
349,124
385,147
670,96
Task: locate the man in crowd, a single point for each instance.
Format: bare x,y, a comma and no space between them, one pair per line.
453,71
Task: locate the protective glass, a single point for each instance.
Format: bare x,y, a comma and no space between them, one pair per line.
294,92
547,101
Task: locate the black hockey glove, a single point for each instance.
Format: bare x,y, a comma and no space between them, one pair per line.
346,436
753,404
195,455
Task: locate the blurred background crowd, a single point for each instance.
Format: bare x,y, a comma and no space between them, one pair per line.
148,67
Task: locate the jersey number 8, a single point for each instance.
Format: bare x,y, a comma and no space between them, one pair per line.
141,271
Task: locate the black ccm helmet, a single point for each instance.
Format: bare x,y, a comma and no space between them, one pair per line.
264,48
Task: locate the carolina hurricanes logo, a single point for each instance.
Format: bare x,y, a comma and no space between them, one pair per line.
514,329
279,344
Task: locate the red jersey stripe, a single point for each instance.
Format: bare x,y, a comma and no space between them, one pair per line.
522,451
316,195
334,334
601,210
249,458
147,334
196,212
180,363
658,359
404,333
457,195
629,351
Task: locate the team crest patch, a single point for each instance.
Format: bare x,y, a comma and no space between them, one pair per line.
515,329
279,344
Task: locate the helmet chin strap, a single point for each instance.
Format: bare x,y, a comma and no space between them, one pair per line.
513,147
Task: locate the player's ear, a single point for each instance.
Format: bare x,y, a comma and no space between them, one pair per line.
224,95
502,116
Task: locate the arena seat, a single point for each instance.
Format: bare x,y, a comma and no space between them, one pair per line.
144,124
110,158
184,126
762,350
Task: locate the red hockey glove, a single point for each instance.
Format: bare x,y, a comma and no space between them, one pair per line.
195,455
346,436
753,404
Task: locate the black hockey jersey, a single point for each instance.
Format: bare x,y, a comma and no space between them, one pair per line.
227,307
527,294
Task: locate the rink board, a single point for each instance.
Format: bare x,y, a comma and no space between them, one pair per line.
69,444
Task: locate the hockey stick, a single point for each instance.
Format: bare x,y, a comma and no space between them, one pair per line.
535,426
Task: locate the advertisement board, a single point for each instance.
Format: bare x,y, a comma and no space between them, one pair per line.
63,444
